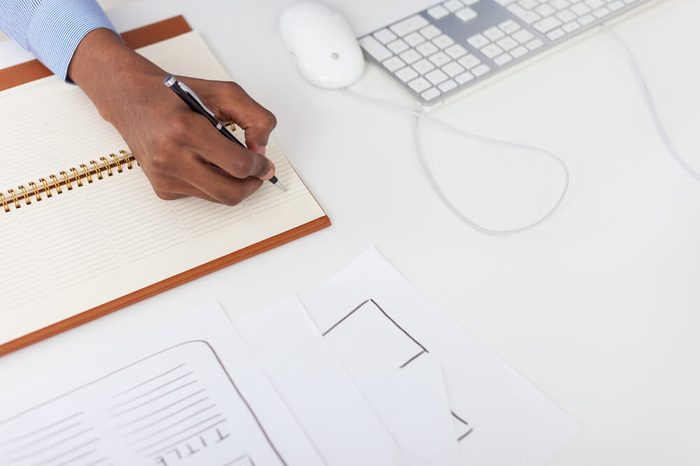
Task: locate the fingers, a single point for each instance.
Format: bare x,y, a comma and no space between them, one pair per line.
231,103
218,185
233,159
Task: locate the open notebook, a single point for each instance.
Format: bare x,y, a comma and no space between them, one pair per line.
102,239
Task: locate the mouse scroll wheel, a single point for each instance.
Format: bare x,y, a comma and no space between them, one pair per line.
335,56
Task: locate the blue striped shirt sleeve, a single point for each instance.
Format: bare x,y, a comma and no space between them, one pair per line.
51,29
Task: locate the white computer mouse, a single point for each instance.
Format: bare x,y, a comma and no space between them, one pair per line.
322,45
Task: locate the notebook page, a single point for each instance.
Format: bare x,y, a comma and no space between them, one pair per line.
183,394
96,243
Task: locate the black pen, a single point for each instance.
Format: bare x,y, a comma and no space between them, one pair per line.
196,105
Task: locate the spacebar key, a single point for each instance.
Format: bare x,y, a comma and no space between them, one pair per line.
374,48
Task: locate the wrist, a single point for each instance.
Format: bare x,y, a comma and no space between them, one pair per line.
111,74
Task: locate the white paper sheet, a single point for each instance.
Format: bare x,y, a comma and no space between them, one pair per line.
316,388
373,320
184,394
414,407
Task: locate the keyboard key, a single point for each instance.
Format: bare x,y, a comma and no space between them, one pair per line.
436,77
593,4
545,10
571,27
509,27
534,44
526,15
560,4
469,61
409,25
439,59
427,49
456,51
447,86
601,12
519,52
398,46
528,4
453,5
419,85
503,59
477,41
406,74
374,48
393,64
410,56
494,33
430,32
566,16
438,12
423,66
414,39
507,43
466,14
505,2
616,5
453,69
464,78
492,50
443,41
523,36
586,19
431,94
555,34
385,36
480,70
547,24
580,9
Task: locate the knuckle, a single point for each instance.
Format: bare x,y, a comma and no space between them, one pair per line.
179,128
231,198
269,119
160,162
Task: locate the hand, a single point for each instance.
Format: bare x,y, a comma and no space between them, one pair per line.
180,152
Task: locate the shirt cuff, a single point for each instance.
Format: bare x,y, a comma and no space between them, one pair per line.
57,28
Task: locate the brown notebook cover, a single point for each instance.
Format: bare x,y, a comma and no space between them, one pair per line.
156,32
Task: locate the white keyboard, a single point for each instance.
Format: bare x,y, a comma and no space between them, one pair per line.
441,50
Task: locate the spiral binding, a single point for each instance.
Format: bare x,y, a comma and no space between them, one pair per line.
74,177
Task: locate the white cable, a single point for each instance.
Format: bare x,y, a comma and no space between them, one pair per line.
651,105
418,115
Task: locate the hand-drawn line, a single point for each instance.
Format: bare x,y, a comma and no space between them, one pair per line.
164,408
39,430
345,317
254,416
131,400
45,437
145,403
424,350
46,448
181,431
235,462
159,420
178,422
67,452
79,457
149,380
465,423
182,439
413,358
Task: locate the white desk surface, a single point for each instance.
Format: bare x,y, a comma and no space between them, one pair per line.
598,307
